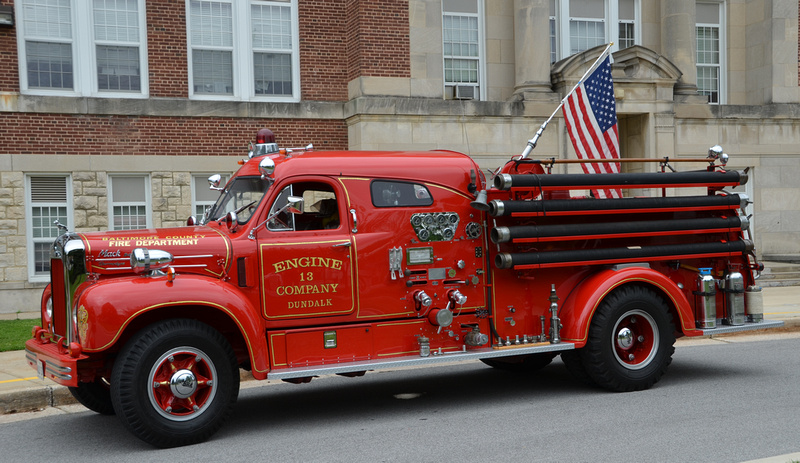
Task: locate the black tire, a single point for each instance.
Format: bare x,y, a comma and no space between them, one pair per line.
574,362
521,363
160,387
95,396
631,340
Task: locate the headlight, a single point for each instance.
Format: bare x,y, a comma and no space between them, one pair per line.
145,260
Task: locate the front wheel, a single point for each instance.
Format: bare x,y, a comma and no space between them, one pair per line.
175,383
631,340
95,396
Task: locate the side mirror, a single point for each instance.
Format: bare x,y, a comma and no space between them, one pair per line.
214,182
295,204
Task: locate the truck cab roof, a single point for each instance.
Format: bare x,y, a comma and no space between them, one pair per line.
450,168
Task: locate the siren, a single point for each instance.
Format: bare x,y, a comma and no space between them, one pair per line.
480,202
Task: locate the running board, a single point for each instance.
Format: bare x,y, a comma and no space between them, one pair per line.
416,360
750,326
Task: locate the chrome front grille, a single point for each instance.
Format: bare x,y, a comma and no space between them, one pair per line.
67,272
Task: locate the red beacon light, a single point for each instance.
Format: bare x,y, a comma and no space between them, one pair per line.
265,136
265,144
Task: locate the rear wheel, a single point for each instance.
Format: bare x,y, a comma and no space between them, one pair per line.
521,363
175,383
631,340
96,396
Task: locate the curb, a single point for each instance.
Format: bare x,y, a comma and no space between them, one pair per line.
35,399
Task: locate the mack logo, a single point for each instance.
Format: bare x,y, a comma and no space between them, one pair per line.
107,253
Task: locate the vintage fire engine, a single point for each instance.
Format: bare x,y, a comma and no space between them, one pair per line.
314,263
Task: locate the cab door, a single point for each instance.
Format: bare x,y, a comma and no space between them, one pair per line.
306,259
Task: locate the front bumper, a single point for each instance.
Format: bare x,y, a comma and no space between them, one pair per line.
50,360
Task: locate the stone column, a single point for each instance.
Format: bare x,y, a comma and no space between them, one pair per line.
678,41
531,47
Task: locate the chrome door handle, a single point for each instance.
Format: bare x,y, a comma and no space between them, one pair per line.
355,220
346,244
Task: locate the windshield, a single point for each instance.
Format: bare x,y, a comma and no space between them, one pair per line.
242,196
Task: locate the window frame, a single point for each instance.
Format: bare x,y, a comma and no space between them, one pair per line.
481,86
242,53
83,46
148,203
33,276
722,65
561,48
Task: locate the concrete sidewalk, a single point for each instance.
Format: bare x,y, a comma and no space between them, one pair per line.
21,390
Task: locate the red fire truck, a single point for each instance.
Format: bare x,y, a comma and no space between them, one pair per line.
314,263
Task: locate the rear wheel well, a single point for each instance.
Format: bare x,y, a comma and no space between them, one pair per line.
659,291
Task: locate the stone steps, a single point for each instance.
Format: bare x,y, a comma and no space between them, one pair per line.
780,274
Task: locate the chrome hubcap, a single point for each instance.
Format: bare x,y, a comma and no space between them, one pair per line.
625,338
183,383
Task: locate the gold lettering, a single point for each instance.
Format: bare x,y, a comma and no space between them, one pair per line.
310,303
305,262
293,290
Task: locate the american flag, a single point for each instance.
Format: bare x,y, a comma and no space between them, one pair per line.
591,115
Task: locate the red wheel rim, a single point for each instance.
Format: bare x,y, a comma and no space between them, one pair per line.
182,384
635,339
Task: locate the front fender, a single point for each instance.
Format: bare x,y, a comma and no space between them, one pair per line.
578,309
108,307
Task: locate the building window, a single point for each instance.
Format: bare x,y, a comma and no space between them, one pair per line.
587,28
272,49
91,48
709,51
462,33
243,50
49,198
553,35
204,197
627,24
578,25
129,202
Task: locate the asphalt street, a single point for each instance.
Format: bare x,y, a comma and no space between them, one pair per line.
729,399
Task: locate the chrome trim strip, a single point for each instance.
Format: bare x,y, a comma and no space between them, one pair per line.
52,366
415,360
724,329
57,375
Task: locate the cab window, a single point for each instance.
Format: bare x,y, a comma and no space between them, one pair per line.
320,208
399,194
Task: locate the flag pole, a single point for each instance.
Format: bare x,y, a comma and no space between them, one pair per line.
532,142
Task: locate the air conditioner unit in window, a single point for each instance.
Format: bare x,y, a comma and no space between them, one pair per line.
465,92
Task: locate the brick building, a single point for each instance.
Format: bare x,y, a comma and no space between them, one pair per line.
114,112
